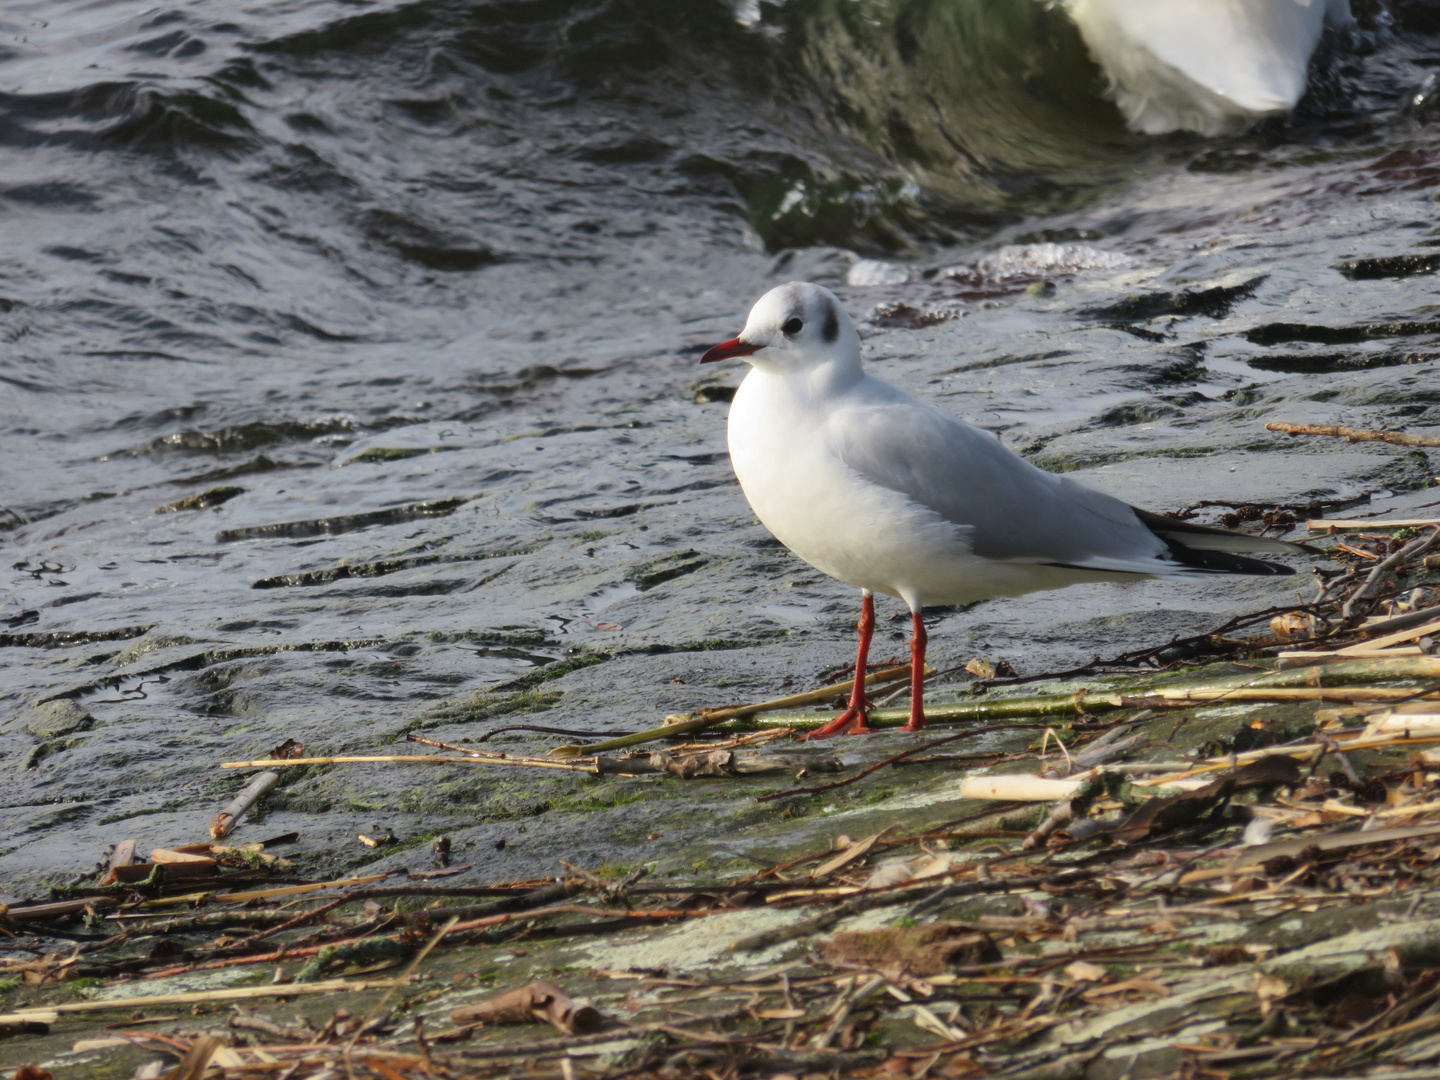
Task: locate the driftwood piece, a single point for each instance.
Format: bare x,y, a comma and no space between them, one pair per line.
122,856
1018,788
226,819
56,909
538,1001
1350,434
1060,815
178,865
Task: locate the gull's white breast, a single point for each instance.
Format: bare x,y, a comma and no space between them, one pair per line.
783,449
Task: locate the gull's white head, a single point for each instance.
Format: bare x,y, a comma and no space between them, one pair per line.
794,327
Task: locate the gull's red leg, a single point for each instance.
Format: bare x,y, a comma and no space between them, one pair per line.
918,641
853,719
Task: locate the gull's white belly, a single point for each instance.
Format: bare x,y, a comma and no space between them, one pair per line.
852,529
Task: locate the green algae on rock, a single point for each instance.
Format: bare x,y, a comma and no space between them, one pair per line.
216,496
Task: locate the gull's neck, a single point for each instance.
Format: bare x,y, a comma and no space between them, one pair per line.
817,381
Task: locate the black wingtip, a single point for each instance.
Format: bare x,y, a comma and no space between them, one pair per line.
1209,556
1224,562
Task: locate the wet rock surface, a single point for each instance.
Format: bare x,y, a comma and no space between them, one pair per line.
583,559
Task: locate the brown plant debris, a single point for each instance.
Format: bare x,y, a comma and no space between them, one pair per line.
912,950
538,1001
1355,434
1221,866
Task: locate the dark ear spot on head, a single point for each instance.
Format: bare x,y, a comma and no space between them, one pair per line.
830,330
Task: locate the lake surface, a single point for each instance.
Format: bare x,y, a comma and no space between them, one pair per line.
415,292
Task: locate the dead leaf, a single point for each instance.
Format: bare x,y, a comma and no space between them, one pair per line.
196,1061
981,668
1271,769
1173,812
848,854
287,749
990,669
1269,989
1293,624
890,872
936,867
1084,971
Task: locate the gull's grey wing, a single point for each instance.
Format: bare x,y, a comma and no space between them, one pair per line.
1014,512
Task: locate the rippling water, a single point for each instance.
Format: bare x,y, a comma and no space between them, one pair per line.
330,261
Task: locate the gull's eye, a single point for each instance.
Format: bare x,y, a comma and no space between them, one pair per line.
792,327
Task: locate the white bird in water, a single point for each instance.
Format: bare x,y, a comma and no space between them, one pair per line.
891,495
1212,66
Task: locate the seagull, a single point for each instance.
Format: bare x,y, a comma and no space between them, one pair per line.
892,495
1212,66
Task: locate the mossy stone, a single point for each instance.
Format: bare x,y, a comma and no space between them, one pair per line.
55,719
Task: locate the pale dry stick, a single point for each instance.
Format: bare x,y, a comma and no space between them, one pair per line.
1385,642
1061,814
1413,550
270,894
683,724
222,825
1349,434
471,758
1045,742
1398,622
1297,693
692,759
1081,704
1331,526
849,999
1310,657
535,1049
1303,751
1019,787
196,997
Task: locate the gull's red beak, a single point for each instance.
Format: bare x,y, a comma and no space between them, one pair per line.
726,349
